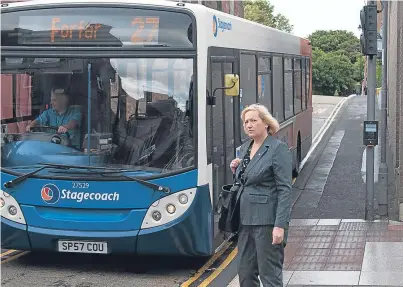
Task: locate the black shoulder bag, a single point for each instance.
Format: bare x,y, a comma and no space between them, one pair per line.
229,208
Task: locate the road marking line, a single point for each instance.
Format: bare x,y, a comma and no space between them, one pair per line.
318,137
206,266
319,111
220,268
329,119
14,257
7,252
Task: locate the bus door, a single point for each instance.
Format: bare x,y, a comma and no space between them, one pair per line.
223,119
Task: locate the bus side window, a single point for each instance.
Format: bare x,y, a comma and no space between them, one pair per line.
297,86
303,78
248,84
278,89
288,88
264,82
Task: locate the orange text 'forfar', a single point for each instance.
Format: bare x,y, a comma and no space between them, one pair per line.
68,31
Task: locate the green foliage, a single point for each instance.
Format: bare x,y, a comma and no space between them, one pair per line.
378,73
332,73
359,66
337,62
338,41
262,12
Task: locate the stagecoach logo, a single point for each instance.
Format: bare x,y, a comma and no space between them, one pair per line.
50,193
218,24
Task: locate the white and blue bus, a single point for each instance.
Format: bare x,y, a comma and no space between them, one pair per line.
156,131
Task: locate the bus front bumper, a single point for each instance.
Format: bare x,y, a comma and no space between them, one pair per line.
189,235
22,237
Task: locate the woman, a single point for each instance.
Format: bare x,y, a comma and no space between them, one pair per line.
265,171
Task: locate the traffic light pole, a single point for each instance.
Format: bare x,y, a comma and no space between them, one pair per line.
369,212
369,48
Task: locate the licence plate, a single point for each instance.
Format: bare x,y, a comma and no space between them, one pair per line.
83,246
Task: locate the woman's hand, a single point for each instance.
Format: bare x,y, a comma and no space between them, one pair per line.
234,164
278,235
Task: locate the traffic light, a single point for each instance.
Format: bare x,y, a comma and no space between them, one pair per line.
369,33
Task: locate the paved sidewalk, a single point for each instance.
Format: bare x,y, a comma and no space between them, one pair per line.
343,252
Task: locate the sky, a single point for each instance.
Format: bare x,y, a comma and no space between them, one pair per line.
308,16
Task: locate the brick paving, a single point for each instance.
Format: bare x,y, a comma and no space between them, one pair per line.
338,246
335,247
343,252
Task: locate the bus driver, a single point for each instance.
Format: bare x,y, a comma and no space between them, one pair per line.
62,116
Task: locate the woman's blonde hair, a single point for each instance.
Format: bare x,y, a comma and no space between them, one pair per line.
265,115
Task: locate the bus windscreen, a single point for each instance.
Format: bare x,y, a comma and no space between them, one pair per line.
96,26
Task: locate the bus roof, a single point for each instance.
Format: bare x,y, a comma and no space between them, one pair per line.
163,3
216,28
19,3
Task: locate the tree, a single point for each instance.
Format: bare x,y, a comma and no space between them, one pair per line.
337,62
378,73
331,72
339,41
359,66
262,12
282,23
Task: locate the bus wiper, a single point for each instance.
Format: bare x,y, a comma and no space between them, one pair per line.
13,182
149,184
113,170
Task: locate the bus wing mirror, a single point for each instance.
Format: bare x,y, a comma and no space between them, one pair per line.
231,85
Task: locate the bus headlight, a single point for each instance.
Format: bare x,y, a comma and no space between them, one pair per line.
168,208
171,208
156,215
183,199
10,209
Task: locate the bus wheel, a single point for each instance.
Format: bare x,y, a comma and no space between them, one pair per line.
297,170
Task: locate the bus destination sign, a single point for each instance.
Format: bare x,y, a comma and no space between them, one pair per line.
143,30
110,27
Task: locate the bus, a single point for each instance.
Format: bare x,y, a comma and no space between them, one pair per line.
155,89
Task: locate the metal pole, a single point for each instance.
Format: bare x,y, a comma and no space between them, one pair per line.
371,84
383,169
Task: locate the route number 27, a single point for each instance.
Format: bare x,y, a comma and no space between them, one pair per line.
140,23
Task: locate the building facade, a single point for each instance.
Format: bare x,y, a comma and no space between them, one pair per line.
394,100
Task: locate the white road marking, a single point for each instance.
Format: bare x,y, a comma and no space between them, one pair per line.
319,111
318,137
